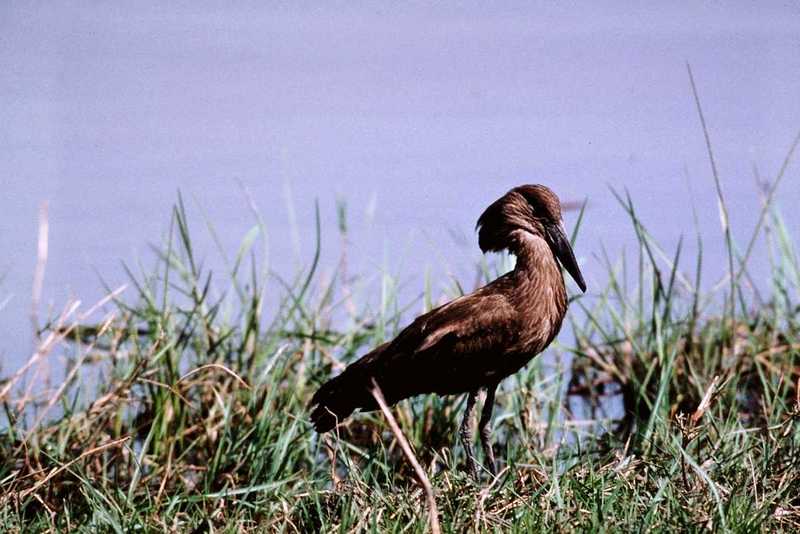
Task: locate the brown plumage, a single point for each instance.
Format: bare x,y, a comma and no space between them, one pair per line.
476,340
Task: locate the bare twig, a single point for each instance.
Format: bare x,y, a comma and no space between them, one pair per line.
67,381
58,333
44,348
412,459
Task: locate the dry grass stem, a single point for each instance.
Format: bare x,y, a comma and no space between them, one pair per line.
433,510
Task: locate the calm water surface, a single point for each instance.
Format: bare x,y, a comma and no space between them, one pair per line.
417,116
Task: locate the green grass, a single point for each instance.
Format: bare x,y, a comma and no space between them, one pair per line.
184,408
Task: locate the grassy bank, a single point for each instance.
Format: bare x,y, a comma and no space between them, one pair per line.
184,408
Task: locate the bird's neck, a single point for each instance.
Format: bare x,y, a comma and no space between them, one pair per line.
537,272
532,252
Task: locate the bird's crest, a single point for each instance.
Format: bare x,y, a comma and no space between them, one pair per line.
524,207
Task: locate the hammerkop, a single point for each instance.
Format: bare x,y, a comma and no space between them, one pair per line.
476,340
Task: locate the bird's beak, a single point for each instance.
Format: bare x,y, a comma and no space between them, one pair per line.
563,251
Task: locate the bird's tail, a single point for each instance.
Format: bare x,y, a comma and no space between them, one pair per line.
341,395
338,398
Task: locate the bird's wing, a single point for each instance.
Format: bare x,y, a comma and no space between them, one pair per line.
462,332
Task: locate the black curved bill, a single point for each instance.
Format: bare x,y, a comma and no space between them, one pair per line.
563,251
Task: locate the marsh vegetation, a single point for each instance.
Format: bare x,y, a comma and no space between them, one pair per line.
669,402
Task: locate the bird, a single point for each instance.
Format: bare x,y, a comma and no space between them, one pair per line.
475,341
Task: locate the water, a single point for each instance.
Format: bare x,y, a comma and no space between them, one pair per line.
418,116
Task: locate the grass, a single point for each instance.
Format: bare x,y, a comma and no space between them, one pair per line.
185,408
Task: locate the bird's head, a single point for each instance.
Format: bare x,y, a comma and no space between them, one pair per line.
534,210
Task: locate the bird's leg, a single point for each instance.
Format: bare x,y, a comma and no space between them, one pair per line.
466,434
485,430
